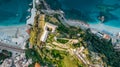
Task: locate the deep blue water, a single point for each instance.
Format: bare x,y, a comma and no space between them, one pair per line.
13,12
89,10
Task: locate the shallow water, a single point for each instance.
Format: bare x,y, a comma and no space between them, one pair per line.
13,12
91,9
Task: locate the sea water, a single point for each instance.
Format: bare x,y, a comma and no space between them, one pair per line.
92,9
13,12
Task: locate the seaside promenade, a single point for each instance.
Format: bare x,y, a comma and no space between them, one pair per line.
10,48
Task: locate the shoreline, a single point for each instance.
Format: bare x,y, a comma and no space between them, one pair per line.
11,26
11,30
99,26
30,20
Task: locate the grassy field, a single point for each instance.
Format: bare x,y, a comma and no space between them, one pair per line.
63,41
69,62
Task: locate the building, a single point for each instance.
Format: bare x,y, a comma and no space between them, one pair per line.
94,31
21,61
99,34
28,31
37,65
50,26
44,36
7,63
37,2
105,36
47,28
119,34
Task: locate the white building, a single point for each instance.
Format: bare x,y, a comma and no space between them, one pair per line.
94,31
119,34
44,36
49,25
7,63
46,32
37,2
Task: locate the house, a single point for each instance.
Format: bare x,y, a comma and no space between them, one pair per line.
99,34
37,65
118,35
7,63
28,31
105,36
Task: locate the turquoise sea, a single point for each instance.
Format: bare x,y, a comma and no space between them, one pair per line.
90,10
13,12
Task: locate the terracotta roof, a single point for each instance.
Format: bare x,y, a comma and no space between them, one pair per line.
28,31
37,65
106,36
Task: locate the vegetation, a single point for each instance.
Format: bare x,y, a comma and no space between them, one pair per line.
32,54
33,37
101,46
36,30
50,38
63,41
104,48
4,54
70,32
69,62
32,65
76,45
51,57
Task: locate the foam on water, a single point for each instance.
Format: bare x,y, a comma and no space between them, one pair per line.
111,8
13,12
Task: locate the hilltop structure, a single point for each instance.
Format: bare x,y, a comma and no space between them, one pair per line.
47,28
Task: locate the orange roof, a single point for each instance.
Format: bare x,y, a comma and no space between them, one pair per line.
37,65
28,31
106,36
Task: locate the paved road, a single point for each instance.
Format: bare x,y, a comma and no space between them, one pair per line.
46,5
11,48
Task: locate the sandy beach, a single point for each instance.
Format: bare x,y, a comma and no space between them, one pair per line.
11,30
102,27
99,26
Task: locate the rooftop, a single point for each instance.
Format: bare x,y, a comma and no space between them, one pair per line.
37,65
